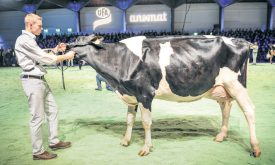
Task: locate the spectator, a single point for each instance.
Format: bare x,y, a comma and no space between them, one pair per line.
7,58
1,56
100,79
263,37
255,52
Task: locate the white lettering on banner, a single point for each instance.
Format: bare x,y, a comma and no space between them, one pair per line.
105,15
103,12
148,17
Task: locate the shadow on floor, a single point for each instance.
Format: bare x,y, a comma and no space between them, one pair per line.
185,128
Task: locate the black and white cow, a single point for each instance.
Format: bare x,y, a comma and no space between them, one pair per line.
180,69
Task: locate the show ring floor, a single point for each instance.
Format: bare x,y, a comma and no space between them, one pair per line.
95,122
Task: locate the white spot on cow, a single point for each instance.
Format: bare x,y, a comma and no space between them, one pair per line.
134,44
164,60
209,36
225,75
128,100
228,41
164,55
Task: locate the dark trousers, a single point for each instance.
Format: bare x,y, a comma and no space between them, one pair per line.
100,79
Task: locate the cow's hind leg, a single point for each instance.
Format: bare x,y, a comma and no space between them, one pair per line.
224,99
146,122
225,108
131,116
239,93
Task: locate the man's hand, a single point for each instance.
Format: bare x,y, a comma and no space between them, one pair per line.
70,55
61,47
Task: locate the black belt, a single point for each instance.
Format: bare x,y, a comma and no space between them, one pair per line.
28,70
33,76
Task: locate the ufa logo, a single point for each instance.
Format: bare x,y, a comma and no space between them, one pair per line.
104,15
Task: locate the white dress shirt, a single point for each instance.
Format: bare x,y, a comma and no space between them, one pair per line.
28,54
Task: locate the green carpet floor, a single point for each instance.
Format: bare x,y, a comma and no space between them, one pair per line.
94,122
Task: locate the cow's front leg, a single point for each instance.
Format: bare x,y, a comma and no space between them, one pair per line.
146,122
131,116
225,108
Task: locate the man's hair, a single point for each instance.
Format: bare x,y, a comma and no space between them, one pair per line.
31,18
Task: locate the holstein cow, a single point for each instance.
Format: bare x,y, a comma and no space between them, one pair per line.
180,69
270,53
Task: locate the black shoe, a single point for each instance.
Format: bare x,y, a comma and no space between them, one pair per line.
44,156
61,145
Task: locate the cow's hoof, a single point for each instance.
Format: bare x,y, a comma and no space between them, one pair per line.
220,137
256,152
145,150
125,143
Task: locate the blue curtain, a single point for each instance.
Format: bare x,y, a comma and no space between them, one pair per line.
271,2
225,3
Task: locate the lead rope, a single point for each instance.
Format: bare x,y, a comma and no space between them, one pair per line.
60,68
62,72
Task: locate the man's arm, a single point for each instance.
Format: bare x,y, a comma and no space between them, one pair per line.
69,55
61,47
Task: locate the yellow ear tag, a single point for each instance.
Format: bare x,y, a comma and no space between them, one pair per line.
97,42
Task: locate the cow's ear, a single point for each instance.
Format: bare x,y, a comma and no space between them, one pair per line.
97,42
97,46
97,38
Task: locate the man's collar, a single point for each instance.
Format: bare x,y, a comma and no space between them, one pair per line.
29,33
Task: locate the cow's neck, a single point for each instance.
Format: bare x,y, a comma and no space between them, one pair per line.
115,63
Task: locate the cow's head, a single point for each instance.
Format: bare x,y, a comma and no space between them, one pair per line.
84,45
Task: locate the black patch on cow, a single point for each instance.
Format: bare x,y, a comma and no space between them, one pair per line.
194,65
124,71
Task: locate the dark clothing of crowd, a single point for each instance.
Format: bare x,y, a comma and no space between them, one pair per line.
7,57
263,38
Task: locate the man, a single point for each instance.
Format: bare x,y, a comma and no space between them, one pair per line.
99,78
1,57
40,98
8,57
271,52
254,52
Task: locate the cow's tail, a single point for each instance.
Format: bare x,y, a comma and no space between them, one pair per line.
243,69
243,76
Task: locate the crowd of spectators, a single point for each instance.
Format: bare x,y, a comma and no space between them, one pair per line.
263,38
7,57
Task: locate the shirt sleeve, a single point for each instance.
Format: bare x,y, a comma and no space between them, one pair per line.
36,53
